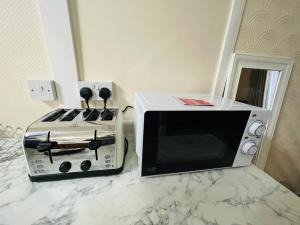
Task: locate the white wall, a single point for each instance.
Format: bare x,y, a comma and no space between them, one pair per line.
170,45
23,56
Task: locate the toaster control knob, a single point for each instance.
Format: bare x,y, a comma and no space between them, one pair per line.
85,165
65,166
249,148
257,129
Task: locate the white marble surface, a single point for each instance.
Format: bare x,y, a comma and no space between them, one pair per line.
231,196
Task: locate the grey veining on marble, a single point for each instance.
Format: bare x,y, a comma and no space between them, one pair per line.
230,196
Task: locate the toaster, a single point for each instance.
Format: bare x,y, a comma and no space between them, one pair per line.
70,143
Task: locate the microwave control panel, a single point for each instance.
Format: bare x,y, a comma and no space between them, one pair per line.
252,138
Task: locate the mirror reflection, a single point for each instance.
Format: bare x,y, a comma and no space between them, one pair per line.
257,87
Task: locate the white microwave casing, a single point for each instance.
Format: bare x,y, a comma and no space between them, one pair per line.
153,101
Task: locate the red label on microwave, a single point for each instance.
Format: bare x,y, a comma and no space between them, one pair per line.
191,101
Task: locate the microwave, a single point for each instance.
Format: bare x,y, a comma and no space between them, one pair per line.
174,138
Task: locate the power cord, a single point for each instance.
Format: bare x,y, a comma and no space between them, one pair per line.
127,107
126,145
87,103
125,151
125,139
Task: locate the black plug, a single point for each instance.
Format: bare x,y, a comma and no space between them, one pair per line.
104,93
86,93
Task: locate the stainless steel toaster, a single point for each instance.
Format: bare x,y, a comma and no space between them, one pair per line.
69,143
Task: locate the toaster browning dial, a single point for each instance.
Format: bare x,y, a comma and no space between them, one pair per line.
65,166
85,165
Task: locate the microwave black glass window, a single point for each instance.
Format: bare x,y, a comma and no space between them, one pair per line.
191,140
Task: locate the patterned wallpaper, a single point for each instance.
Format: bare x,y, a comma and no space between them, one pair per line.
272,27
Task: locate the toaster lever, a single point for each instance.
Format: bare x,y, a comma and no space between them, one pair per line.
47,146
95,144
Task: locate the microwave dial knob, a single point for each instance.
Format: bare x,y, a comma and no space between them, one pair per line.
249,148
257,129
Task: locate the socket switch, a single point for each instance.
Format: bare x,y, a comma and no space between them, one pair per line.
42,90
95,87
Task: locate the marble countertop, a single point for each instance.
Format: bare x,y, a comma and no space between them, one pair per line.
230,196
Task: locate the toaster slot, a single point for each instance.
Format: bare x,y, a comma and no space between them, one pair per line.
55,115
93,116
71,115
107,114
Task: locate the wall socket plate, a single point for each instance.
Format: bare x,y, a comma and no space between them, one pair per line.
96,86
42,90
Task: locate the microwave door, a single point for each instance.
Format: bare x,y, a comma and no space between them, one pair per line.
180,141
190,147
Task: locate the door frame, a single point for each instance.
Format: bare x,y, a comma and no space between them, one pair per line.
285,65
228,46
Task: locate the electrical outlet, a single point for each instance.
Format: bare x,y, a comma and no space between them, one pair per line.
42,90
95,87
